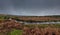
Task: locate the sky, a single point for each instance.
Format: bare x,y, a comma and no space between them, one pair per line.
30,7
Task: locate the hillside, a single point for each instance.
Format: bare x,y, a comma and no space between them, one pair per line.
32,18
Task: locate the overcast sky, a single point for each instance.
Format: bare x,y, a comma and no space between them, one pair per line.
30,7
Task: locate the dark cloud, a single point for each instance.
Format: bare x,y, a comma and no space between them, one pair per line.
30,7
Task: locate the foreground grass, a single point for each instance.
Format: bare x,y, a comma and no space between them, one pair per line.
16,32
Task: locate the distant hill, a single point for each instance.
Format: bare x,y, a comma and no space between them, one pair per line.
34,18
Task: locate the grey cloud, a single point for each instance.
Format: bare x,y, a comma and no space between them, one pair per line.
30,7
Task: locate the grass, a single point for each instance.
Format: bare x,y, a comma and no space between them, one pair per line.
44,25
16,32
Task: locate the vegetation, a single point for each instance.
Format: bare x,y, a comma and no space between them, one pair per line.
42,29
43,25
29,27
6,27
16,32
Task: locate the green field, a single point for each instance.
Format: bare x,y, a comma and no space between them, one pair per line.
16,32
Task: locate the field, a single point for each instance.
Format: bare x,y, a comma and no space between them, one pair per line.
16,32
10,25
41,29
